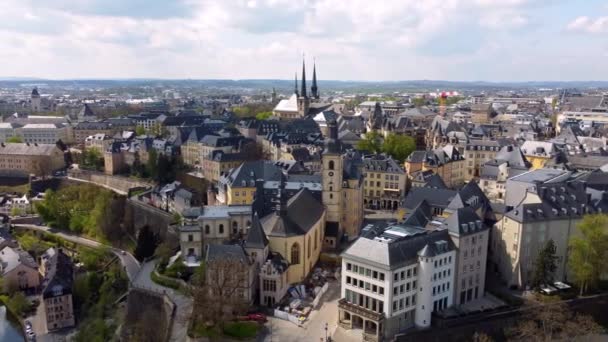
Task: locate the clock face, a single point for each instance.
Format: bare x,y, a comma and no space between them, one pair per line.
331,173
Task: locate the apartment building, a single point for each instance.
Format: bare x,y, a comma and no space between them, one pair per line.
385,182
546,204
394,279
447,162
26,158
509,162
44,133
83,130
478,152
57,290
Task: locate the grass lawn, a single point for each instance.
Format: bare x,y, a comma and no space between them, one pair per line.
241,329
236,330
21,189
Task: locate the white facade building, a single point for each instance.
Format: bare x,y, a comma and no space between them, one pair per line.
45,133
394,280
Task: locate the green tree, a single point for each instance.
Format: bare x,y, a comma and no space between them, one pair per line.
398,146
16,211
146,243
140,130
165,169
152,163
545,265
589,251
263,115
418,101
372,142
14,139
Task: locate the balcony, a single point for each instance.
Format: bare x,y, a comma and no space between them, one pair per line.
360,311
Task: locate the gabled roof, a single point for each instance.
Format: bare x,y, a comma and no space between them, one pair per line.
226,252
435,197
256,238
86,111
464,221
302,212
59,275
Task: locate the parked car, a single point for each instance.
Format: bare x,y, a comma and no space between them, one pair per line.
256,317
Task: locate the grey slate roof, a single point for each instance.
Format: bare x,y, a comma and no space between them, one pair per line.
59,275
256,238
464,221
397,253
224,252
434,197
302,212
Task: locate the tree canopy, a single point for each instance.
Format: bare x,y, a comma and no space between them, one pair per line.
83,209
545,265
14,139
589,251
397,146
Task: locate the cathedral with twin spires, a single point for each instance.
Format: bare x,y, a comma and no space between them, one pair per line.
300,104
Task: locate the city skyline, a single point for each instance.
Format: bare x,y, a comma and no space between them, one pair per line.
457,40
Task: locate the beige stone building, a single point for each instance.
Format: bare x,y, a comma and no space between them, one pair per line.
83,130
447,162
509,162
26,158
478,152
57,290
219,162
384,184
19,270
546,211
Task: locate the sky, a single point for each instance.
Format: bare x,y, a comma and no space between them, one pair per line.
458,40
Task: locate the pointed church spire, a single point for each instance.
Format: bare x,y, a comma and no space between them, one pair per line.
314,90
303,86
295,87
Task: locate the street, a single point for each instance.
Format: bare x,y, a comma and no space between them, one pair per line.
314,328
183,304
130,264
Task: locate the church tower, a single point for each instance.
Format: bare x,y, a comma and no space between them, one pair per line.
332,169
303,100
35,100
314,89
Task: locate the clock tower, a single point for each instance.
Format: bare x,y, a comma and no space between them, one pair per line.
332,170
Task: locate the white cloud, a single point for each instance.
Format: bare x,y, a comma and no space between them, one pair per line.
356,39
589,25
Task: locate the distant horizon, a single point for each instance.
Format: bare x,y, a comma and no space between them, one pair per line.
506,41
37,79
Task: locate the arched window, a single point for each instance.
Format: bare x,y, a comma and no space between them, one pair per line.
295,254
207,229
235,227
308,247
248,223
221,229
331,188
331,165
316,238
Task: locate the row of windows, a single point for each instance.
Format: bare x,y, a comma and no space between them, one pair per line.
365,271
404,303
441,288
407,287
440,275
445,260
410,272
466,252
269,285
463,282
470,268
364,301
365,285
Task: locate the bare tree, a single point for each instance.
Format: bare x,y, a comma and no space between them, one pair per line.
220,290
554,322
